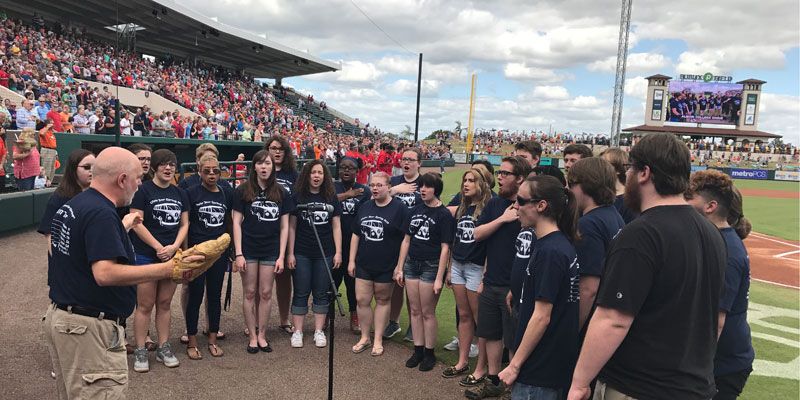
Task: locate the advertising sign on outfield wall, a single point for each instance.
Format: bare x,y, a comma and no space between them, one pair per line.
759,174
460,158
787,176
699,168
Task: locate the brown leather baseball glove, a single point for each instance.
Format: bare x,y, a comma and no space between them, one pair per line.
186,271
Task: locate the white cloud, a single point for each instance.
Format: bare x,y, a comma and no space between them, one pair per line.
409,65
405,87
637,62
723,60
520,71
636,87
780,114
550,93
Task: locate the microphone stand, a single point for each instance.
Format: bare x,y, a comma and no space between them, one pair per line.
333,296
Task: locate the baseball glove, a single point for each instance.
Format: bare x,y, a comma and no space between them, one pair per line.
187,271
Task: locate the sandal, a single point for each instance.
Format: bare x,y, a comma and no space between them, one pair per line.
377,351
359,348
288,329
452,371
220,335
470,380
215,350
194,353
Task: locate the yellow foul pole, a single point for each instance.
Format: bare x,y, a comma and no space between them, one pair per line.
471,114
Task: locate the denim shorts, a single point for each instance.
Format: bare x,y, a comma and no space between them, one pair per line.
145,260
521,391
421,269
467,274
263,261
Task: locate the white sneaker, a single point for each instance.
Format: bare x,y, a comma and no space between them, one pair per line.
297,339
319,339
453,345
473,350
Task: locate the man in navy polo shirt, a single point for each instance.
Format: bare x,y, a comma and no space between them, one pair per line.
92,288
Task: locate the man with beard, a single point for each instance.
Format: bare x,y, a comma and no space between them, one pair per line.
499,227
92,287
654,332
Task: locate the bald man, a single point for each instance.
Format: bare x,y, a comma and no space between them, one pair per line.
92,289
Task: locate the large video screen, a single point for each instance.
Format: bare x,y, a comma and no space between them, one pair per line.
708,103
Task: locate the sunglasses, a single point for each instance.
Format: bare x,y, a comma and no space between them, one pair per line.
523,201
211,171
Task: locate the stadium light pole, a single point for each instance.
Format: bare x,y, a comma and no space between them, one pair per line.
419,87
622,59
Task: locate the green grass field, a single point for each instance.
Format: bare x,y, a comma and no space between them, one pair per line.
774,311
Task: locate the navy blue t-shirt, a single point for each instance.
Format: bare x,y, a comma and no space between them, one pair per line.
465,248
626,213
598,228
409,199
551,276
735,349
209,210
286,179
428,227
349,211
305,243
84,230
53,204
162,208
526,239
500,246
261,223
380,233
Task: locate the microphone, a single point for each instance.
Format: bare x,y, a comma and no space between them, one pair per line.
315,207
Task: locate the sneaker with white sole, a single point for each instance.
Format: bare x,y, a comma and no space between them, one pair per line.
140,361
319,339
297,339
453,345
473,350
164,355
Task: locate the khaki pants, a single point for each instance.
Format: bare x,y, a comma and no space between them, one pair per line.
88,356
605,392
49,157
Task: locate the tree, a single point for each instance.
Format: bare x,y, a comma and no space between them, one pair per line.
457,130
406,132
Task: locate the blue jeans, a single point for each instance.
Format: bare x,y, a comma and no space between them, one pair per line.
521,391
26,183
309,276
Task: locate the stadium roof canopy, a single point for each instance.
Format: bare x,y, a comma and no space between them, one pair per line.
704,132
167,27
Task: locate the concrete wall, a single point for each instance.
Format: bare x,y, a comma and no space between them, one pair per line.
138,98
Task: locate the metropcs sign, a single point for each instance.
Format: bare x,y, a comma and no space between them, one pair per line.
707,77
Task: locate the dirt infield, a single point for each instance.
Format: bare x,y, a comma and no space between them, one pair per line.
284,374
775,194
773,259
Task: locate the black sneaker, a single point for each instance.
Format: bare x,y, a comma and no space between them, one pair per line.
392,328
486,391
427,364
414,360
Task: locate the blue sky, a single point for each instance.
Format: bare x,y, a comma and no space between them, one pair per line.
539,63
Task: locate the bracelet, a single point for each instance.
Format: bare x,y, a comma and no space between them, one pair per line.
239,255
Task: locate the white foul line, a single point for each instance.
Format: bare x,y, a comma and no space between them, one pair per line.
786,254
775,283
773,240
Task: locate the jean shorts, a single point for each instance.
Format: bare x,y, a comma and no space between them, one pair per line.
467,274
263,261
521,391
420,269
145,260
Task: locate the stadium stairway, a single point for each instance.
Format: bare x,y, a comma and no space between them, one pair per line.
318,116
13,96
137,98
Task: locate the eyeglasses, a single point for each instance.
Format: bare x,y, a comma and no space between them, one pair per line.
144,159
167,164
276,149
504,173
211,171
523,201
86,167
406,159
